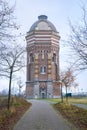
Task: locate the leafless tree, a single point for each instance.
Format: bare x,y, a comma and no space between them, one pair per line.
11,54
78,40
20,85
7,21
67,78
12,60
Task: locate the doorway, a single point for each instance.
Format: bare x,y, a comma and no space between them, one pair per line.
43,95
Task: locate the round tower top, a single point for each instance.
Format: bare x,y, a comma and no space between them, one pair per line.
43,24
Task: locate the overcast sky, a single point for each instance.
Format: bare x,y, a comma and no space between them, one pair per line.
58,12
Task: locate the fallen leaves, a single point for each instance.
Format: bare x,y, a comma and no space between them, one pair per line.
74,114
9,118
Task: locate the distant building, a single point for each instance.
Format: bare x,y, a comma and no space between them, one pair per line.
42,60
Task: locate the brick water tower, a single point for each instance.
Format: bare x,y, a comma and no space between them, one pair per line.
42,60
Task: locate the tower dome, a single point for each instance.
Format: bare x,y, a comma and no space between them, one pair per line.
43,24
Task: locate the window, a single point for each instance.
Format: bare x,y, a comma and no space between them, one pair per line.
31,58
42,54
54,58
43,69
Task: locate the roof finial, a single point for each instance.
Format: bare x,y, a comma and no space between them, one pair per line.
42,17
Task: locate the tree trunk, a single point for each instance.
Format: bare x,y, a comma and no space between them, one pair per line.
66,95
9,92
61,94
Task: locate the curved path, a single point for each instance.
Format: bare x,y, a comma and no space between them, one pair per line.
41,116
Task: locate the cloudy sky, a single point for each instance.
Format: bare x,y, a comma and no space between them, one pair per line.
58,12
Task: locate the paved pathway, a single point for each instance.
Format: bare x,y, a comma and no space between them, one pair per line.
42,116
81,105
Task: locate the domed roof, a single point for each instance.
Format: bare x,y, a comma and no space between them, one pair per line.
43,24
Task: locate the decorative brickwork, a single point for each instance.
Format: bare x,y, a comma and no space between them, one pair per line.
42,60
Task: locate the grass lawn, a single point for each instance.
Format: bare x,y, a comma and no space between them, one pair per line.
55,100
78,100
70,100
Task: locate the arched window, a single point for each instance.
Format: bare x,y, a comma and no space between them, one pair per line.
42,54
31,58
54,58
44,69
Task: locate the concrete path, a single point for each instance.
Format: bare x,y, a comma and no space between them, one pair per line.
42,116
81,105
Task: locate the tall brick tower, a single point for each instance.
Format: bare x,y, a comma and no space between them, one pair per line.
42,60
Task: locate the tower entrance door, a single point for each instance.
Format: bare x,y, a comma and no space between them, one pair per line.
43,90
43,94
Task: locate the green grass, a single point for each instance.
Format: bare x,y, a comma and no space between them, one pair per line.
78,100
54,99
70,100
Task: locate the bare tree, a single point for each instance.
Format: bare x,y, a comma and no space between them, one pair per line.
67,78
11,55
20,85
7,21
78,40
12,60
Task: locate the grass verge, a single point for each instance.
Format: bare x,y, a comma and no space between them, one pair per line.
9,118
70,100
75,115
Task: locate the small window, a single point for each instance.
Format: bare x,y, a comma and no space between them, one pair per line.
31,58
43,69
54,58
42,54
